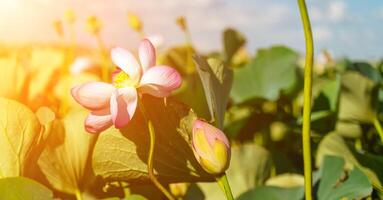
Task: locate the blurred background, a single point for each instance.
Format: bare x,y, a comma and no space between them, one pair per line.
338,25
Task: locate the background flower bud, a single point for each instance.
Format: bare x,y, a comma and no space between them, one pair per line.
211,147
181,21
70,16
93,25
58,26
134,22
179,189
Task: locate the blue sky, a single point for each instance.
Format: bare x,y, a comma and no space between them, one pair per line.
352,28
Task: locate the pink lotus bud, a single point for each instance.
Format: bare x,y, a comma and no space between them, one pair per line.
211,147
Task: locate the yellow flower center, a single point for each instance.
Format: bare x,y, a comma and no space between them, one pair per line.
122,80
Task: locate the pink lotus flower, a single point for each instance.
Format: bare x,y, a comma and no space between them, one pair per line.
115,104
211,147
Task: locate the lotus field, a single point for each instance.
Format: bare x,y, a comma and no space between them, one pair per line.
152,123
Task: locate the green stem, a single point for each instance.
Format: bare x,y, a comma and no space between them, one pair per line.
224,185
189,51
378,128
307,99
78,195
151,174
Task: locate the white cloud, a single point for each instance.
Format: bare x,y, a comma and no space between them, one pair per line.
380,13
322,33
329,11
337,10
264,22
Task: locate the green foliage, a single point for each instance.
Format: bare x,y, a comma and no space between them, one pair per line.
366,70
242,174
192,94
257,101
232,42
122,155
19,188
326,105
180,57
358,99
271,72
21,139
65,160
334,144
335,184
192,90
216,78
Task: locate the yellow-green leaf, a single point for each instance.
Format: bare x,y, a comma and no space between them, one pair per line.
20,188
12,77
333,144
20,138
64,162
216,78
122,155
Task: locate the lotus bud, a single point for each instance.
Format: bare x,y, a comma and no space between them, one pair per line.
181,21
93,25
134,22
211,147
179,189
57,25
70,16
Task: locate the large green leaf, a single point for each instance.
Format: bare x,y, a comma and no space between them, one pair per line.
65,159
216,78
242,174
334,144
21,137
357,103
357,99
272,71
232,42
335,184
122,155
20,188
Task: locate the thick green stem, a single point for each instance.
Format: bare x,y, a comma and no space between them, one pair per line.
224,185
378,128
307,99
151,174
